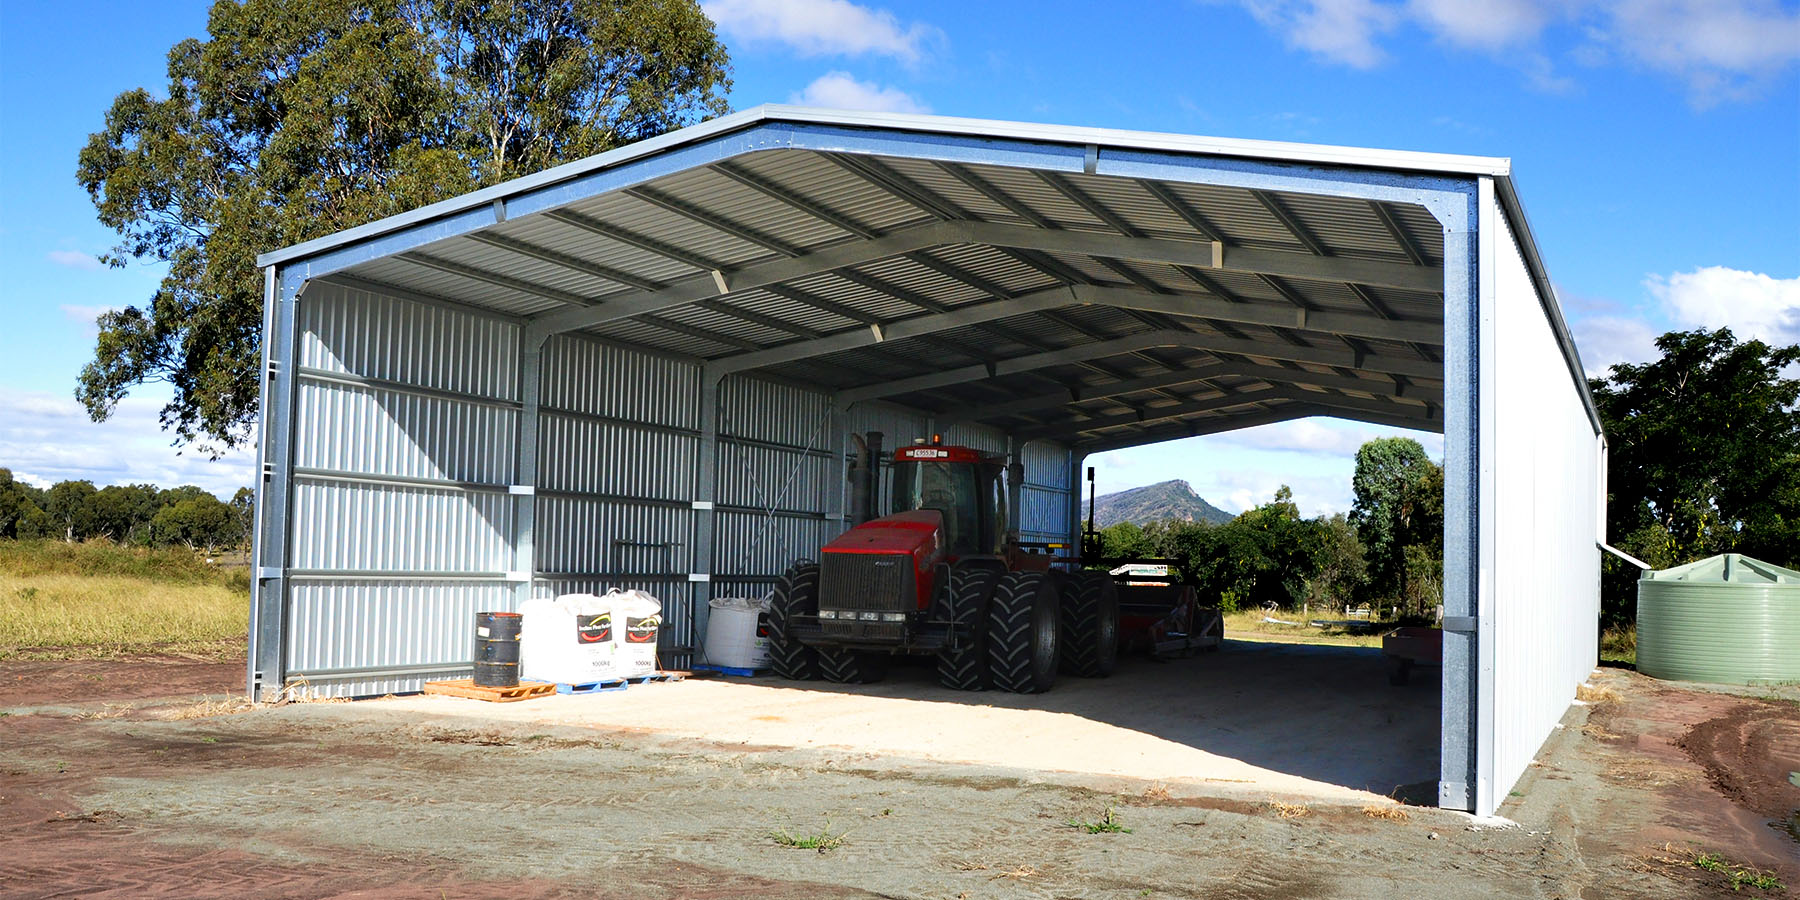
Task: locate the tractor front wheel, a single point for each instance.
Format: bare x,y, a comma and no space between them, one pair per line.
1090,625
963,666
796,594
1021,633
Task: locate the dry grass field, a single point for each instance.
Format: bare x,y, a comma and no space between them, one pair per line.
100,600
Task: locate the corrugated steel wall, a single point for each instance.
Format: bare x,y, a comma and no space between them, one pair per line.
1046,503
401,525
1546,580
406,445
618,446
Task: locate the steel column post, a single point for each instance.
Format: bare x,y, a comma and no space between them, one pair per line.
525,468
706,485
1076,458
274,484
1467,445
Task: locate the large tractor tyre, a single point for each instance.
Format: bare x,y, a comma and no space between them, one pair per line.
1090,625
963,667
1021,633
852,666
796,594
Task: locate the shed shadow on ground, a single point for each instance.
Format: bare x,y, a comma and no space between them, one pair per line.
1323,713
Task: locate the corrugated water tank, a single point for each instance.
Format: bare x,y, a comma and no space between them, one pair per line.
1729,619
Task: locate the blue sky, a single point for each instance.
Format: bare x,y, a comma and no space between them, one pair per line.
1656,144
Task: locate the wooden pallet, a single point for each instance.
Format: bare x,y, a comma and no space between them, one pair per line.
467,688
657,676
594,687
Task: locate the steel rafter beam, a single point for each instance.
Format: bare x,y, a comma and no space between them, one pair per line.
1398,231
938,234
1067,428
1325,356
1271,374
918,326
1284,413
1051,299
875,173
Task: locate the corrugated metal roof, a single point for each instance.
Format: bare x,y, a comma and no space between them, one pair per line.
738,210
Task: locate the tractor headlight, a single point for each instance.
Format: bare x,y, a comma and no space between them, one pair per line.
893,617
827,613
869,616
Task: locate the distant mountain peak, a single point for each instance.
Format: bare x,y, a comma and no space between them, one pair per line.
1173,499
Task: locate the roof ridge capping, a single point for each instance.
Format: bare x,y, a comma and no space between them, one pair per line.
1074,135
1167,141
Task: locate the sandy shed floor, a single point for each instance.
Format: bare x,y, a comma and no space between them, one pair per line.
1305,721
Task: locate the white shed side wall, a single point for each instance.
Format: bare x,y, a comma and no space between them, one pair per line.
1546,578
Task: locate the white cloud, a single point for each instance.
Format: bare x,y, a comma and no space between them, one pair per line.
1721,49
1343,31
1326,437
1751,304
47,438
1489,24
86,316
75,259
1606,341
837,90
822,27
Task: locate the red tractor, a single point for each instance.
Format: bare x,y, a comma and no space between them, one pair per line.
942,576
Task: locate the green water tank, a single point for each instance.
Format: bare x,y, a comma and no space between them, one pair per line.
1728,620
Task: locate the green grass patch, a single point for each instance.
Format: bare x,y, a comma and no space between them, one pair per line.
98,599
1110,823
1619,645
1249,626
1737,875
822,841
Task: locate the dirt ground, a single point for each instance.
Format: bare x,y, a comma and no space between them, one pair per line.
136,788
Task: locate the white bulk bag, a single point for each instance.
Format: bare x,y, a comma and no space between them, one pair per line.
572,639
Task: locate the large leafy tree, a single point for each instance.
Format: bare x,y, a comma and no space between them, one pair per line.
293,119
1398,511
1704,456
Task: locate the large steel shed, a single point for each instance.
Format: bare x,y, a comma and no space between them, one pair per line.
643,368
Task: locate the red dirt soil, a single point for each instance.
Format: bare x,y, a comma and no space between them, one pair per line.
52,847
51,682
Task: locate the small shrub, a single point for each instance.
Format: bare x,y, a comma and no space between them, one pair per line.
1110,823
822,841
1390,813
1289,810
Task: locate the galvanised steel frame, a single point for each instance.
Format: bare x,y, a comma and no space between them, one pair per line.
1461,193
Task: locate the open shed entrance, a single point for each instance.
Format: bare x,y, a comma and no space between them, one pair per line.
642,369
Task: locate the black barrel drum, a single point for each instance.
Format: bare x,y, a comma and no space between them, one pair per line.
497,649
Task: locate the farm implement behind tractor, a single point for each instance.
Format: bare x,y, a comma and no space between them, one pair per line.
944,575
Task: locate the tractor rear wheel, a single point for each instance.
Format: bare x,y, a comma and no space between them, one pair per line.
963,667
852,666
1090,625
1021,633
796,594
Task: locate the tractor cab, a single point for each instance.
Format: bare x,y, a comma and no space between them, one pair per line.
963,486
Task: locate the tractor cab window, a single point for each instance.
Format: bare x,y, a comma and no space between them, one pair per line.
949,488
